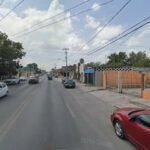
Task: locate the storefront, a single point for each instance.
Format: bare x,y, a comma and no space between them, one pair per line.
89,75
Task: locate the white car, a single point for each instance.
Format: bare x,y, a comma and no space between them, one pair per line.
12,80
23,78
3,89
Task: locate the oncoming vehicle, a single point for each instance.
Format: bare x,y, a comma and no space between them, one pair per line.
13,80
3,89
49,77
134,125
23,78
69,84
33,79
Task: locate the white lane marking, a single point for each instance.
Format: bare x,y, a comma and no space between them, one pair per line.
71,112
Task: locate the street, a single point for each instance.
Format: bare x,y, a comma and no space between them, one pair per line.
46,116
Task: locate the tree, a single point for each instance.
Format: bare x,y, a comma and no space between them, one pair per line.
93,65
10,51
33,66
117,60
137,59
143,63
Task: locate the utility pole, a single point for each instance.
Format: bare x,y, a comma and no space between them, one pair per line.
66,49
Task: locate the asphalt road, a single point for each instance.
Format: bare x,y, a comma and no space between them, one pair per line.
46,116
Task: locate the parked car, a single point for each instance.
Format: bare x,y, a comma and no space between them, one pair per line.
23,78
63,80
33,80
3,89
12,80
69,84
134,125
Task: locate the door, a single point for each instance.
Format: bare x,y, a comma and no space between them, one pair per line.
138,131
4,89
1,90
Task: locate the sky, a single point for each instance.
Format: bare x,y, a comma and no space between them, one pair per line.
45,45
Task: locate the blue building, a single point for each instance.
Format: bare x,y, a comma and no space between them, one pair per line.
89,75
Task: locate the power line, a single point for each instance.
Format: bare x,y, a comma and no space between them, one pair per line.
65,18
109,21
106,24
125,33
49,18
119,38
44,26
145,19
11,10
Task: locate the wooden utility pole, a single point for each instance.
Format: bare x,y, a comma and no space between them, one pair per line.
66,49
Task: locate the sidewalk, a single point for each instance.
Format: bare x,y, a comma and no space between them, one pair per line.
115,99
88,88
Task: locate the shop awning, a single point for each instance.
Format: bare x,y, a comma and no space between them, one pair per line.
89,71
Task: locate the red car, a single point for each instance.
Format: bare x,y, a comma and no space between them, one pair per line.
134,125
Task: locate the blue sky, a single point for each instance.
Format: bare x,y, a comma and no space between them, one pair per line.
45,46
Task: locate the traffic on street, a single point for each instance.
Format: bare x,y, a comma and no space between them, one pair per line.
74,75
47,116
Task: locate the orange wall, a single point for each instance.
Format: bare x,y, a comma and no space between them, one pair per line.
129,79
146,94
111,79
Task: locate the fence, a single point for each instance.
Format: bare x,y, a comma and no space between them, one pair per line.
125,81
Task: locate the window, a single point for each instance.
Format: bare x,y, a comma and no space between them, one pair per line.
144,120
133,112
3,85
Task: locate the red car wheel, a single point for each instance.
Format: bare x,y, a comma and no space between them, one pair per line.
119,129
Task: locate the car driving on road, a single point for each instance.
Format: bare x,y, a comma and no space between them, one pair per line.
49,77
33,79
69,84
23,78
13,80
3,89
134,125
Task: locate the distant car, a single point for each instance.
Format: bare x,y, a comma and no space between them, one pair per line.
37,75
12,80
33,80
134,125
50,78
69,84
3,89
23,78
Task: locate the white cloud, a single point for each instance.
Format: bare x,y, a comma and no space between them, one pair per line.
14,1
140,39
10,3
96,7
91,22
44,42
103,36
106,34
